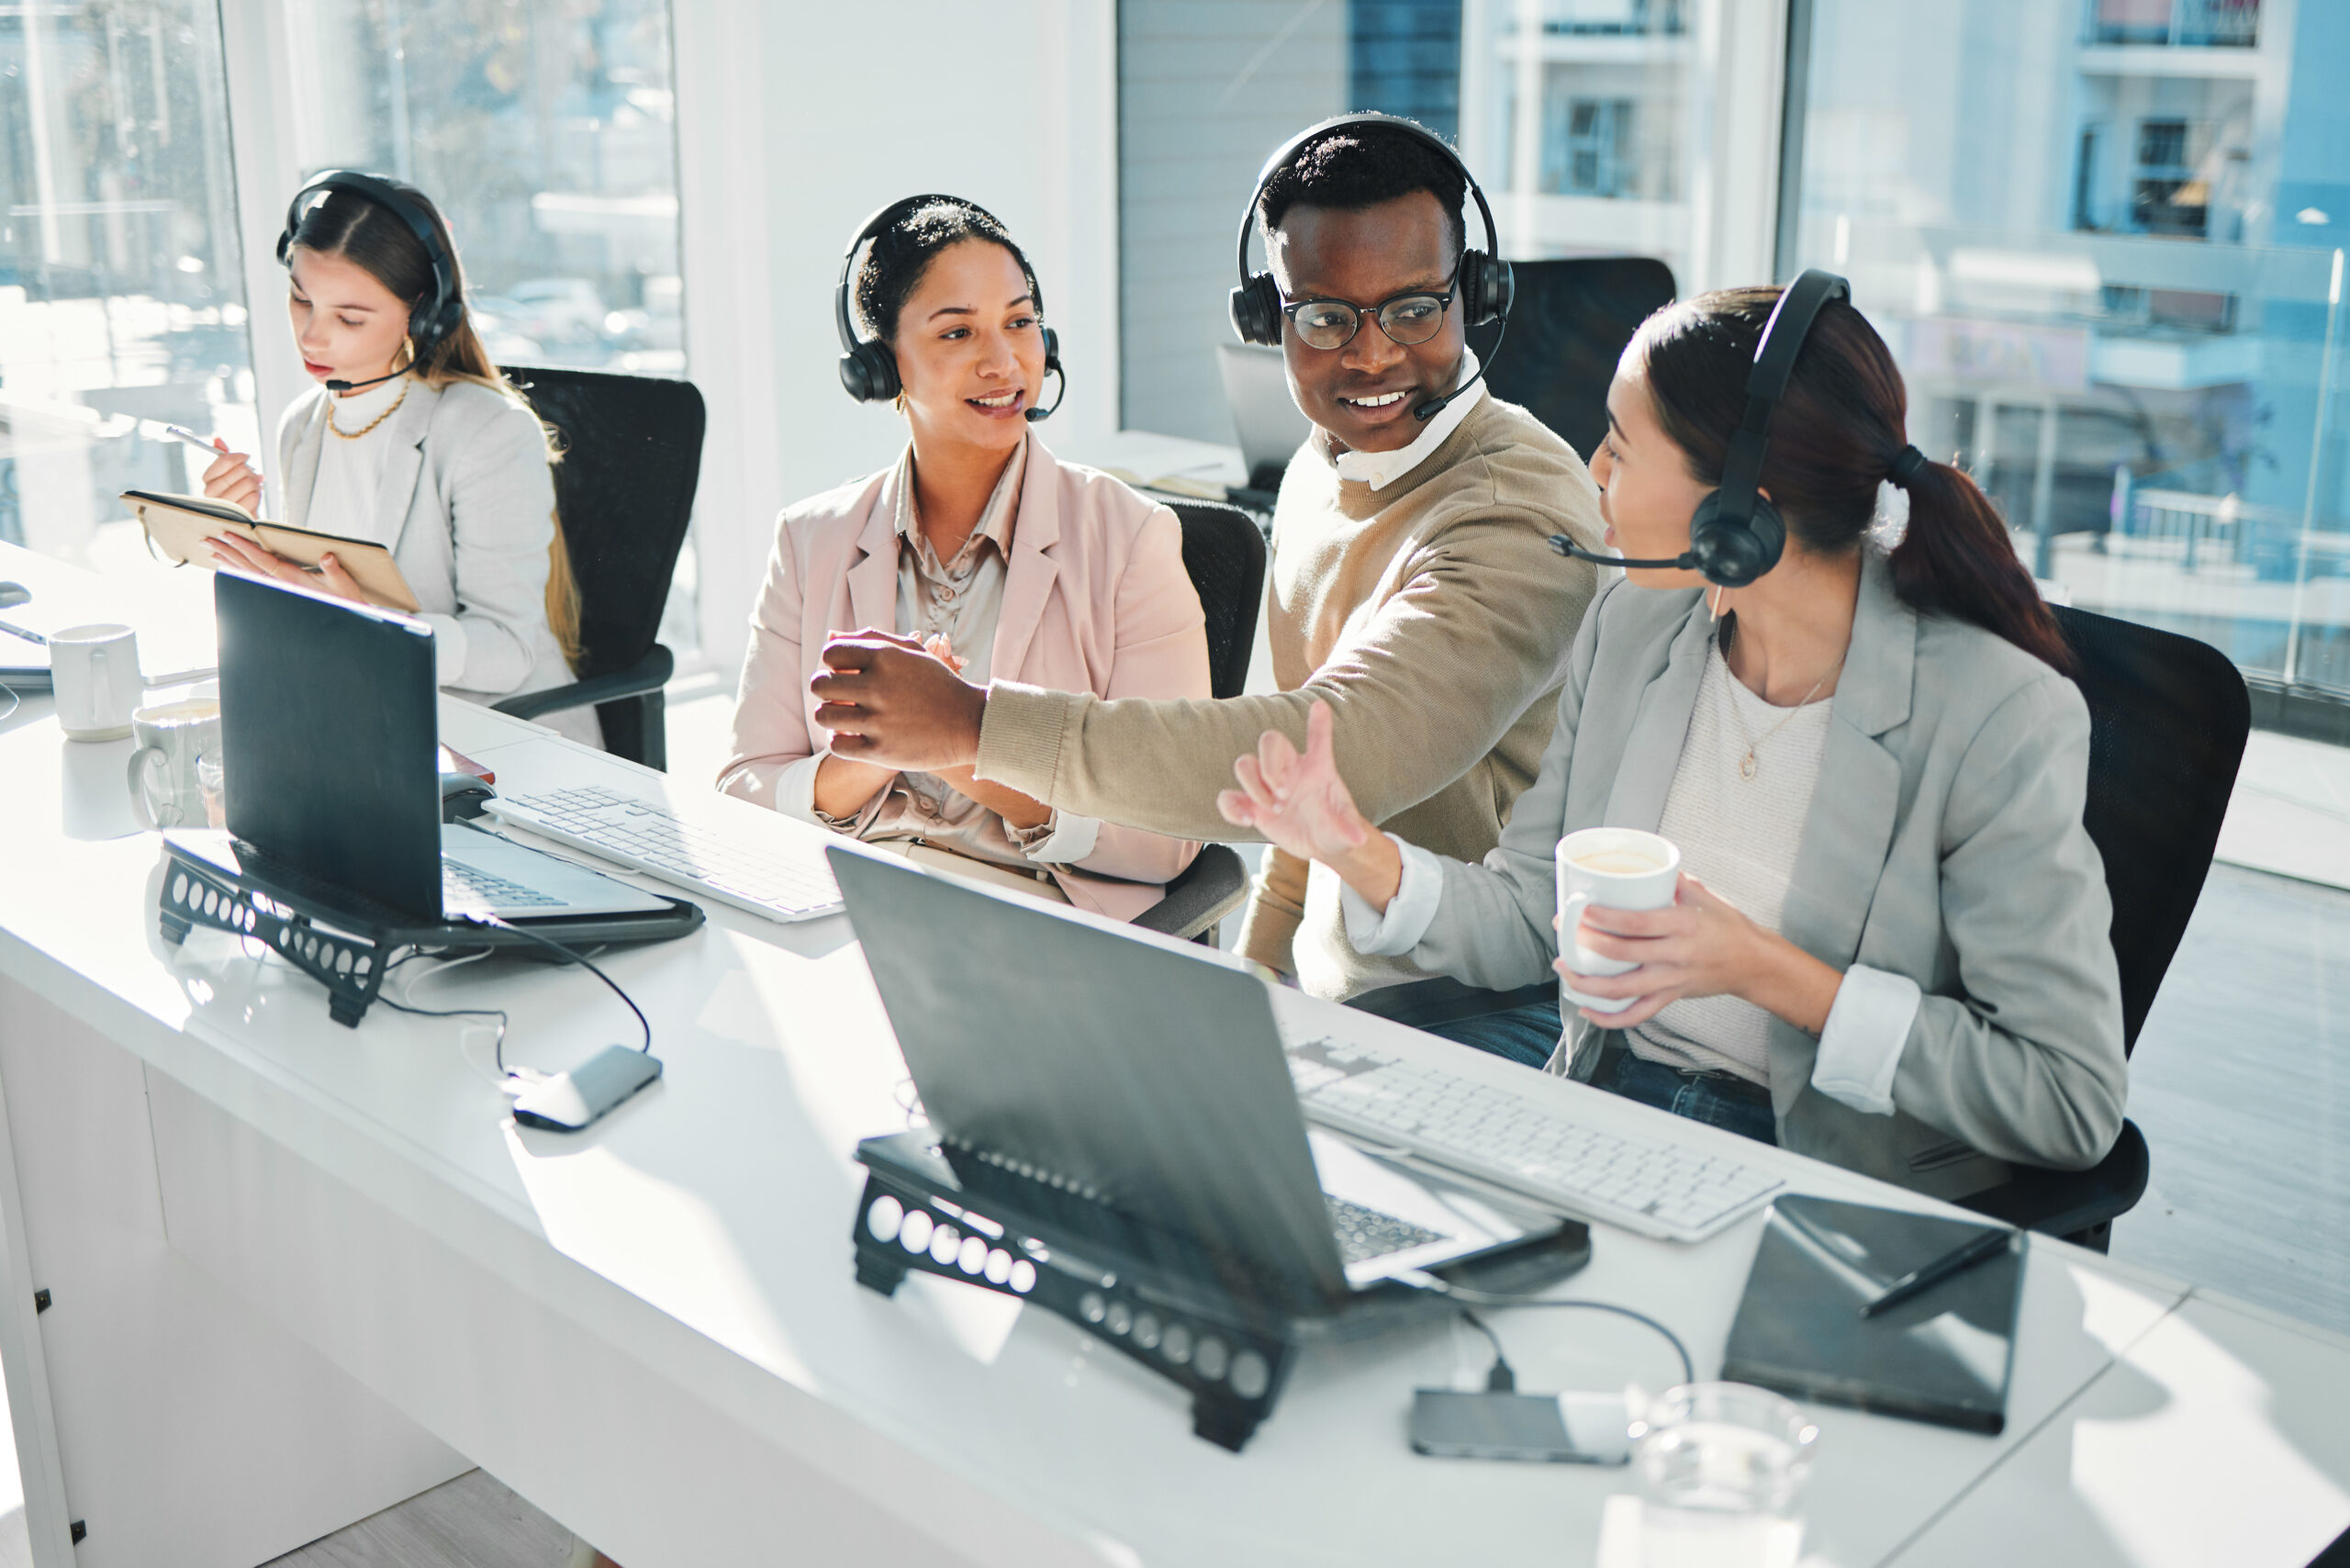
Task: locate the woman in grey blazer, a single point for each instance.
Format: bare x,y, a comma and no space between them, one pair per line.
414,440
1889,947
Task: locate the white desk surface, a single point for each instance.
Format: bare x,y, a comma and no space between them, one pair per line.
702,1230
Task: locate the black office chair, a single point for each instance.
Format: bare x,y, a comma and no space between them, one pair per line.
625,492
2169,717
1225,553
1568,327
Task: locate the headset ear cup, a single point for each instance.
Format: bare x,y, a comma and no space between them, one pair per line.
1052,351
1257,311
1733,554
1769,532
869,372
1501,288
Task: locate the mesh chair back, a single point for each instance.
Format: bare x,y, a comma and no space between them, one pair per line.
2169,717
632,455
1568,328
1225,553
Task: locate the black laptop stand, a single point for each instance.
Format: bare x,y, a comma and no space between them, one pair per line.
925,1210
341,940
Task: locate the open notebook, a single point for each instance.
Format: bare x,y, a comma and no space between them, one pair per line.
178,526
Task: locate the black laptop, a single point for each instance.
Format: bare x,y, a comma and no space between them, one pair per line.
330,730
1125,1069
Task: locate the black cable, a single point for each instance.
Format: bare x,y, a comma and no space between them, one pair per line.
1505,1303
497,1049
1501,1379
574,958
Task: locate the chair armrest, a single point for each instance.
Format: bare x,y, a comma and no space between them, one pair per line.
650,673
2068,1203
1206,890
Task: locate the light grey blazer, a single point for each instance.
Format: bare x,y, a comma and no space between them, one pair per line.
466,480
1944,843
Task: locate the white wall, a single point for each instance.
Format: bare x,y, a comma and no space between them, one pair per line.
794,124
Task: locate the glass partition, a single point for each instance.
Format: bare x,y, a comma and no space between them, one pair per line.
2105,243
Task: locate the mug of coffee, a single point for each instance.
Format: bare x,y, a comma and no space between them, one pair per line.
166,778
95,672
1613,868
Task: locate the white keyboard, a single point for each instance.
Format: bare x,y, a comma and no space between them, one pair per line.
780,884
1465,1125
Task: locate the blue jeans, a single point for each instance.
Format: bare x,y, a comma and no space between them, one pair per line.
1527,1035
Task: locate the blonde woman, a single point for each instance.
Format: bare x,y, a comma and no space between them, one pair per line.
414,440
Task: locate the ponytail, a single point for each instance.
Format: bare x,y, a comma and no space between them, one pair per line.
1835,439
1957,559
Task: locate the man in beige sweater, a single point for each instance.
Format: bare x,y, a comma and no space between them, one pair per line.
1413,588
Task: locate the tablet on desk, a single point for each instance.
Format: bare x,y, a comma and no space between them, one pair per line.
178,526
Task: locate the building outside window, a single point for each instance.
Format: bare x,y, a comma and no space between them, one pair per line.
2108,259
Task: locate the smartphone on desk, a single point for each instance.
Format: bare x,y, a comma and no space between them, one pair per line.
1554,1429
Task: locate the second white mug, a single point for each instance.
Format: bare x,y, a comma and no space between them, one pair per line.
1615,868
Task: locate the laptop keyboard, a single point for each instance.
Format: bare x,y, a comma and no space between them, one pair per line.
1540,1151
466,887
1364,1234
780,882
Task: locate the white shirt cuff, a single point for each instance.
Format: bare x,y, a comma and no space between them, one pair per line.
1861,1048
1409,914
795,789
1066,839
448,648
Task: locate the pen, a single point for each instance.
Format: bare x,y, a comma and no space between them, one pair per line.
16,630
181,432
1957,1261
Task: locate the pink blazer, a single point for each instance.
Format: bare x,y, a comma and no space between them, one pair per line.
1095,599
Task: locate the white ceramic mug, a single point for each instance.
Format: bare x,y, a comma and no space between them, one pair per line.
1613,868
166,787
95,672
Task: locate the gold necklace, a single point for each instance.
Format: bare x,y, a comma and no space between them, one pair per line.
1748,765
371,424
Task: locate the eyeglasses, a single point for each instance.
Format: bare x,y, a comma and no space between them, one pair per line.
1406,318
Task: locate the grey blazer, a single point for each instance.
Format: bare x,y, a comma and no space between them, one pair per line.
466,480
1944,843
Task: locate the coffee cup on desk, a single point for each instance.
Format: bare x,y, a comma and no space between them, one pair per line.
1612,868
93,670
167,782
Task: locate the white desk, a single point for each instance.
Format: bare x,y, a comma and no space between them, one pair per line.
301,1272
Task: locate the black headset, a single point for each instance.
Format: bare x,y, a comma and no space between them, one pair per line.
1485,284
869,370
1736,534
428,322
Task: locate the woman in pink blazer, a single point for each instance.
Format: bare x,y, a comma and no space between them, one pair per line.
979,545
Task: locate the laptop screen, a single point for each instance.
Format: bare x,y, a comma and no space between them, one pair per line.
328,733
1148,1079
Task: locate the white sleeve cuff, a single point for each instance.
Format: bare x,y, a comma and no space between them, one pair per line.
1066,839
1409,914
795,789
448,648
1861,1048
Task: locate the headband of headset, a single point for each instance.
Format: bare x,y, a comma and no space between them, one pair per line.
428,321
1798,307
868,368
1486,283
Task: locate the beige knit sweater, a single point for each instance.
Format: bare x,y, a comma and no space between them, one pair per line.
1434,619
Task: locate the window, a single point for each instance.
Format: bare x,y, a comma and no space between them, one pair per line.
1587,147
121,308
2151,393
545,130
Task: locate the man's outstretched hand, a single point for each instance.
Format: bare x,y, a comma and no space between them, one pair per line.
889,701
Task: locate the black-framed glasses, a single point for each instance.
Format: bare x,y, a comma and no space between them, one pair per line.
1406,318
